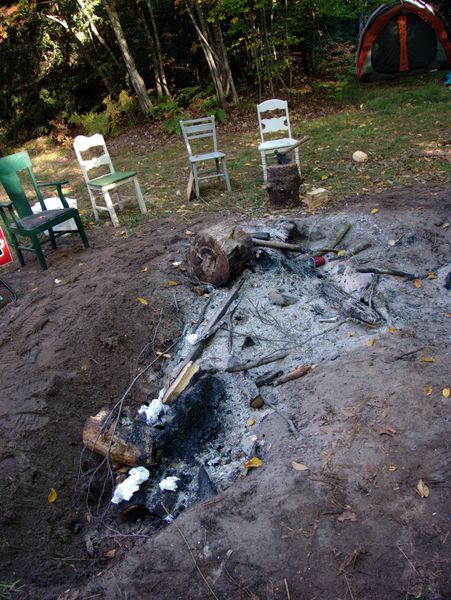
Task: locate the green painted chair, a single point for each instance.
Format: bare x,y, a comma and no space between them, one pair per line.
19,218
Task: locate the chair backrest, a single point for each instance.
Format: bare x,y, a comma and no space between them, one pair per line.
10,167
196,129
83,143
271,125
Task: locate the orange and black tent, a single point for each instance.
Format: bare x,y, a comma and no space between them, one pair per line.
404,37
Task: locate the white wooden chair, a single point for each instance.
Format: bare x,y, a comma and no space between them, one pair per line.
104,183
205,129
272,125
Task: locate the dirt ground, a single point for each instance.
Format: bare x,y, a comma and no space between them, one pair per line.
351,525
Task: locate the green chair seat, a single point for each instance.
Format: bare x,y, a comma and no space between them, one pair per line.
35,221
112,178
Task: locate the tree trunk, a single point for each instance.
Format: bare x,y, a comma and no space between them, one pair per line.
152,51
227,73
135,77
283,185
219,254
159,54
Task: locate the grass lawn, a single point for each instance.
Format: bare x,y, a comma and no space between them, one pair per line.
403,126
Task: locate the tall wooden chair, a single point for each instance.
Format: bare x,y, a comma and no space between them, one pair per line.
104,183
19,219
271,125
204,129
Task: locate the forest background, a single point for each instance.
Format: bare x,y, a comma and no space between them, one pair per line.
104,65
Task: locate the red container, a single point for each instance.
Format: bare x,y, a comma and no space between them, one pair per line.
316,261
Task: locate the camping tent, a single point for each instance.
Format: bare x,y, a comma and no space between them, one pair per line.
403,37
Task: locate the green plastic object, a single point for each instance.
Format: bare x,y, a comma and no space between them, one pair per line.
19,219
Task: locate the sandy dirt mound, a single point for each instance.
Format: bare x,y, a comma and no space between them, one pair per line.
350,525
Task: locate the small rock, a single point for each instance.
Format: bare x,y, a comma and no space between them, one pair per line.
281,299
359,156
256,402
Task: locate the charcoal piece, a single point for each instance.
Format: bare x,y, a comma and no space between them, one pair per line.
135,508
195,417
448,281
266,378
248,342
206,488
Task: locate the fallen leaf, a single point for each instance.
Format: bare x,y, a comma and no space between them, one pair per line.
324,177
392,468
110,553
142,301
176,263
144,270
253,463
391,431
347,515
250,422
391,242
427,390
374,211
393,329
422,489
189,233
52,496
170,282
427,359
417,283
299,466
371,341
432,275
446,392
341,252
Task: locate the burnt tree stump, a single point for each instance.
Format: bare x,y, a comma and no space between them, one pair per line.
219,254
283,185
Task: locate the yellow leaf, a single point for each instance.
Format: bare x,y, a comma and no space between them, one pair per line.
392,468
253,463
446,392
299,466
324,177
427,390
189,233
432,275
392,329
247,164
266,214
427,359
371,341
144,270
52,496
374,211
422,489
340,252
170,282
250,422
142,301
417,283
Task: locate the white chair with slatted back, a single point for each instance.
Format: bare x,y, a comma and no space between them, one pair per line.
205,129
104,183
275,125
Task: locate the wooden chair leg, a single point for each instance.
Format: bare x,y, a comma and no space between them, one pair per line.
110,208
81,230
38,250
15,244
93,204
265,174
297,160
226,175
196,180
52,238
141,203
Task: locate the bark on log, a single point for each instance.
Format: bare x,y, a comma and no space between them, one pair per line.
349,306
132,443
220,254
283,185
